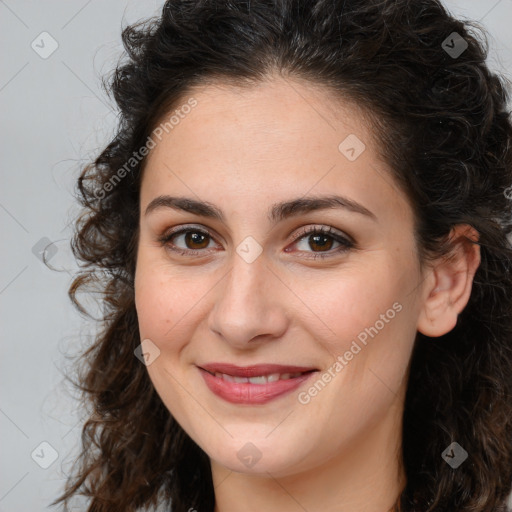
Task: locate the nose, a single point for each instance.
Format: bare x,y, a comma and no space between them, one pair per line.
249,304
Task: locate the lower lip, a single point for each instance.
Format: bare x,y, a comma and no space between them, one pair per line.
247,393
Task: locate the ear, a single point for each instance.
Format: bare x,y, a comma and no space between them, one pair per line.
447,286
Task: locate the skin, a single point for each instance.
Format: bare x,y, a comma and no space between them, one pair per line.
244,150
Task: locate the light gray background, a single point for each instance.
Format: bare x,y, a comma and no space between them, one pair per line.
55,117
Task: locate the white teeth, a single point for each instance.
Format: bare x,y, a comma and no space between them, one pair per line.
259,379
227,378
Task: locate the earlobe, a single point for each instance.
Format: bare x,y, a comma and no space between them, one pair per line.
448,286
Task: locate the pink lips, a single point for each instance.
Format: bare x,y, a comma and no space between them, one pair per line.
268,382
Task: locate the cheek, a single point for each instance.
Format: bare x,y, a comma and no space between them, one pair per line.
368,316
155,305
166,304
352,301
165,311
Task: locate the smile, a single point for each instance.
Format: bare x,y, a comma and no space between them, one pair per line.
253,385
260,379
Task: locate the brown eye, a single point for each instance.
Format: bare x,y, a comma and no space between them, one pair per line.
196,240
318,241
186,240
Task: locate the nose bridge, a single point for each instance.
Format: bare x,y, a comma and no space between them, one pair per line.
247,281
246,305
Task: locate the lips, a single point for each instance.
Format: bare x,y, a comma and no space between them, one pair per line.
253,371
256,384
260,379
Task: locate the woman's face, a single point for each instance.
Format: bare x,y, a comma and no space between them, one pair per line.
238,288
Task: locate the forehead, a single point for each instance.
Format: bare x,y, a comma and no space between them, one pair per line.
276,139
269,111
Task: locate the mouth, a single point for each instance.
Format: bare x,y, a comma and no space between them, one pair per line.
253,385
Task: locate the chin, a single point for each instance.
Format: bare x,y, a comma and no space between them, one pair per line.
262,455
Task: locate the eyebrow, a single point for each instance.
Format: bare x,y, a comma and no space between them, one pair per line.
277,212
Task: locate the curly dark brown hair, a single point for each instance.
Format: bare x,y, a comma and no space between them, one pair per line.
443,127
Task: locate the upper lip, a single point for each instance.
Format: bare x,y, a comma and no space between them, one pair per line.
253,371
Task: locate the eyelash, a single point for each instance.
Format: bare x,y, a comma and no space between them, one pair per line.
345,242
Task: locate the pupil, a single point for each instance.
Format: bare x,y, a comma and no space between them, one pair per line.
195,238
325,238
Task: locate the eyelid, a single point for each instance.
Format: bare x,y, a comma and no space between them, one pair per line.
184,228
346,241
324,229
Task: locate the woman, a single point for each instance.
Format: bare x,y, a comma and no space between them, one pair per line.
301,230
